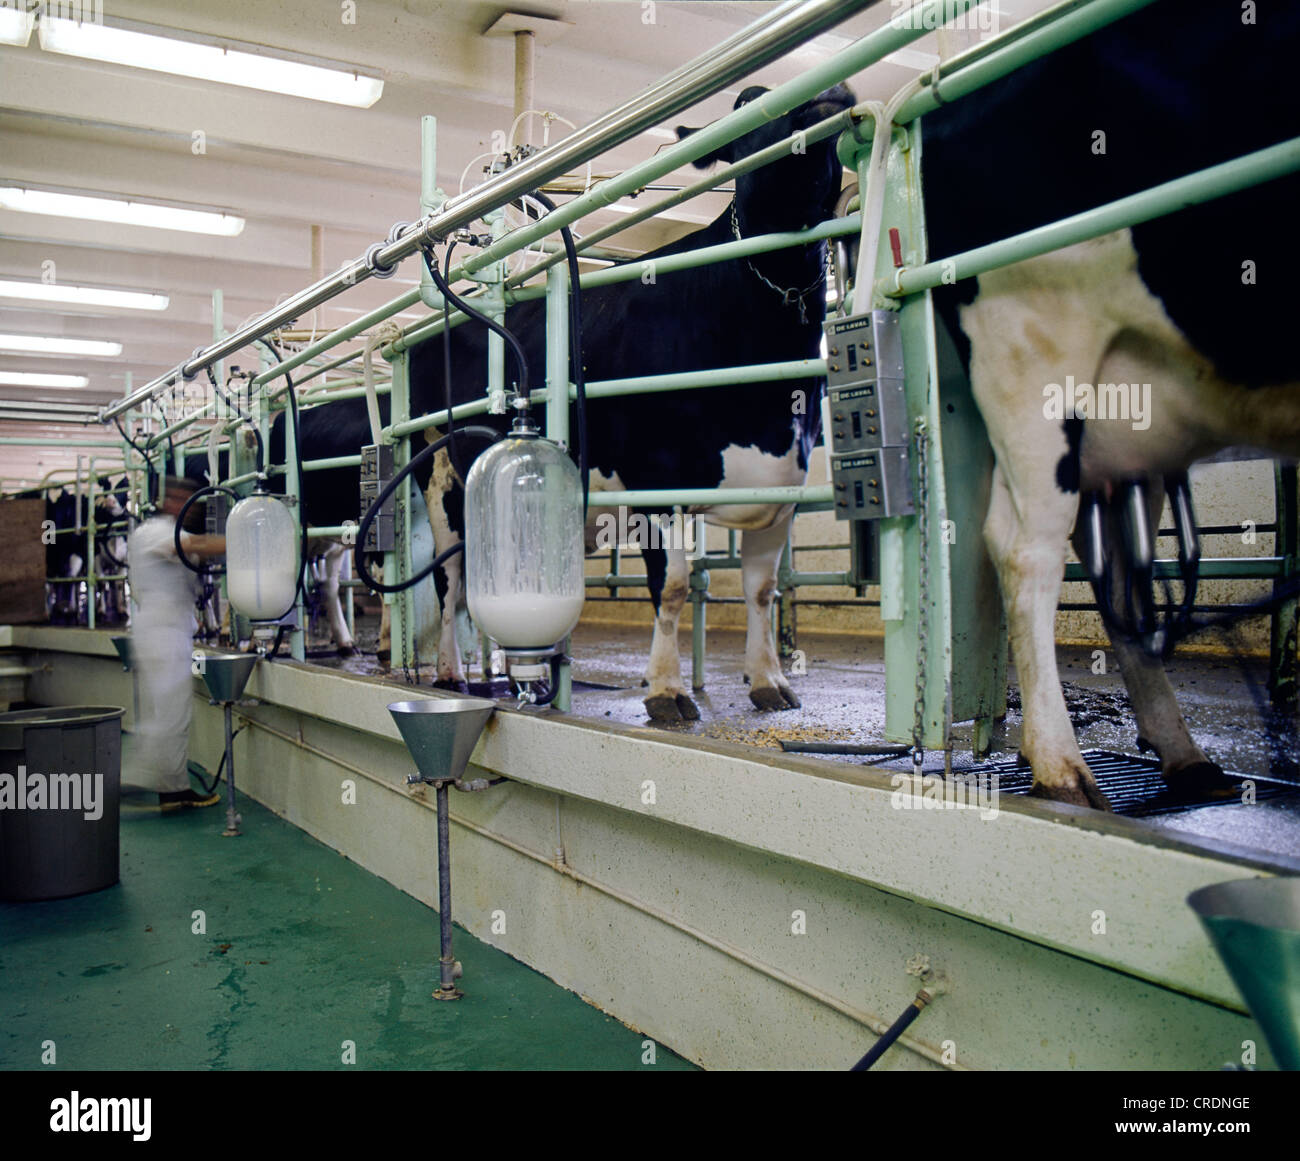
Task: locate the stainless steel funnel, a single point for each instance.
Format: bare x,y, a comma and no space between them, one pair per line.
1255,926
123,646
226,674
441,732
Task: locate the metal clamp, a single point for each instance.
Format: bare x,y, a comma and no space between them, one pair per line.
372,263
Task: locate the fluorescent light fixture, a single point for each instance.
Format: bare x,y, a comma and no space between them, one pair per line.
83,295
125,213
15,26
37,379
55,345
210,62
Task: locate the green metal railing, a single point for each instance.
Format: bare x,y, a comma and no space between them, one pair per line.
950,80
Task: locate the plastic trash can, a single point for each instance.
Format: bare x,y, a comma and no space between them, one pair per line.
60,785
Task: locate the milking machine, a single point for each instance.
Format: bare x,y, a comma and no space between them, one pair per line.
525,508
1117,528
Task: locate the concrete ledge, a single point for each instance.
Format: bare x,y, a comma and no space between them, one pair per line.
750,908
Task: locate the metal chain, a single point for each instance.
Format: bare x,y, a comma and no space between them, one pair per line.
923,592
789,295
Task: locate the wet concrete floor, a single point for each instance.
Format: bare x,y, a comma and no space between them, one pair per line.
843,699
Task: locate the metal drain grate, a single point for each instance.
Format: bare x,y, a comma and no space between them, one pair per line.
1132,784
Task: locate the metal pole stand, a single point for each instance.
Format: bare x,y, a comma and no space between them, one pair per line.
448,969
232,817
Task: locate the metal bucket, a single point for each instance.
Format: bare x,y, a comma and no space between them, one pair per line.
60,781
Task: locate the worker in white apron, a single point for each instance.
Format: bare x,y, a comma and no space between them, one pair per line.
163,595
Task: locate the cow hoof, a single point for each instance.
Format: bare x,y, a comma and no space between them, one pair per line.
771,697
1202,780
1086,793
452,685
347,651
671,707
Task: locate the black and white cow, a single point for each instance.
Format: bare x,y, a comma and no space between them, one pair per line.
765,309
65,550
1192,311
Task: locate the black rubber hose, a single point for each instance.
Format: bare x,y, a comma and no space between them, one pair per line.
151,473
210,788
358,553
248,419
300,591
557,660
180,521
575,347
881,1046
521,359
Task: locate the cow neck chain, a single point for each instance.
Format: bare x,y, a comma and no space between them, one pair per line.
789,295
923,592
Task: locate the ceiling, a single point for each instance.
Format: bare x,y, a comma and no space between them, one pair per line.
286,164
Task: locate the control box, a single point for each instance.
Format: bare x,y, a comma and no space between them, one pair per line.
216,507
376,472
872,484
868,429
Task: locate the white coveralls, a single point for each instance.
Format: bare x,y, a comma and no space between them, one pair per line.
163,592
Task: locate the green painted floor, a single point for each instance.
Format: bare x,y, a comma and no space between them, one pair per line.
303,952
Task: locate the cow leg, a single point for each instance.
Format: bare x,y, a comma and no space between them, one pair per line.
1161,726
668,700
384,649
760,554
1027,543
451,669
329,591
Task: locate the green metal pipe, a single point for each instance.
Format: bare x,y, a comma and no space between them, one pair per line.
350,331
1203,186
810,136
1219,568
8,442
708,497
181,424
316,398
713,377
330,365
558,387
644,384
431,198
1033,38
899,32
326,391
670,264
326,464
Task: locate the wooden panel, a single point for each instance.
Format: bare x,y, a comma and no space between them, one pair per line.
22,562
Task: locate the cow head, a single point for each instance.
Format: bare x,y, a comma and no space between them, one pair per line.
796,191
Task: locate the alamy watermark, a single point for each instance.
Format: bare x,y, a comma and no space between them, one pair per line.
1130,401
621,528
950,13
931,792
28,790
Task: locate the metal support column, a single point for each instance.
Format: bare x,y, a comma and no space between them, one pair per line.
965,648
399,563
557,411
1286,546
